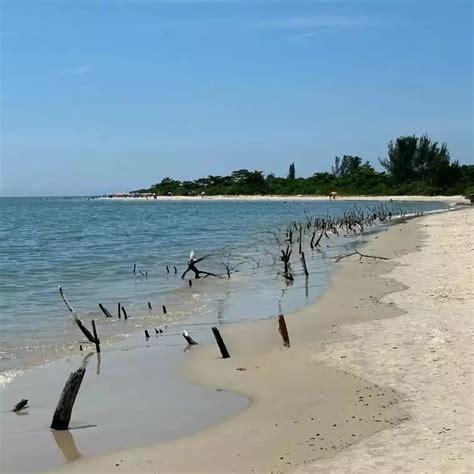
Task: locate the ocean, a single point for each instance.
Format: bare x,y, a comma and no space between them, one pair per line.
90,247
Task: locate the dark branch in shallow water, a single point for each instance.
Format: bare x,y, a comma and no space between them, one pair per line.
192,267
77,319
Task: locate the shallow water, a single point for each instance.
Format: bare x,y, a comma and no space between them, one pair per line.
91,246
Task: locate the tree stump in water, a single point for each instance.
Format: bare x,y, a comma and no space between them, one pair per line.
189,339
303,261
62,414
283,330
220,343
105,310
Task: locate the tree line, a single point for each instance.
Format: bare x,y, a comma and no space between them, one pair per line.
413,165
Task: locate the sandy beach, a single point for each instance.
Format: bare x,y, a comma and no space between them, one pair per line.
378,377
299,197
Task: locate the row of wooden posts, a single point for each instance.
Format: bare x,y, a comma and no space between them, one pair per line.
121,311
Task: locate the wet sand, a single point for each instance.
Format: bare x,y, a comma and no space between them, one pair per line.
123,401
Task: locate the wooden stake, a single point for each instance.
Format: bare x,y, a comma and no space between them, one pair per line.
97,340
220,343
300,243
147,335
164,309
125,315
190,283
119,312
105,310
62,414
283,330
303,261
189,339
149,305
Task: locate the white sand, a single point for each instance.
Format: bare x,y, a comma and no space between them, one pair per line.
299,197
426,354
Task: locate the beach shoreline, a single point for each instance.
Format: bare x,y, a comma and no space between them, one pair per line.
60,340
316,395
414,198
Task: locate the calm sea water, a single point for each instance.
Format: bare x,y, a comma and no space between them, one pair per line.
90,247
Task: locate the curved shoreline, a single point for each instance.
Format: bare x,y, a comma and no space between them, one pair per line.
296,394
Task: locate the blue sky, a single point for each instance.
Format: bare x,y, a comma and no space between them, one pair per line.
115,95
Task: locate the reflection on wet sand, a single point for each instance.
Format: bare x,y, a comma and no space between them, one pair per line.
65,442
85,361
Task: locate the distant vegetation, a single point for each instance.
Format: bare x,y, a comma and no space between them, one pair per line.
414,165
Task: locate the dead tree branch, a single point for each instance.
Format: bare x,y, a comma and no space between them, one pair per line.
77,319
192,267
361,256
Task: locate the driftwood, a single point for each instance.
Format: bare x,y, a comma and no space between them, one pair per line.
220,343
285,258
192,267
189,339
361,256
300,240
77,319
303,261
105,310
316,244
62,414
283,330
21,405
96,337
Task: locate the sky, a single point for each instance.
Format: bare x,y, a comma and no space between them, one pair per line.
106,96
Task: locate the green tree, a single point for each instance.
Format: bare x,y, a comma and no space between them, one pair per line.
291,171
347,166
400,162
